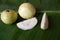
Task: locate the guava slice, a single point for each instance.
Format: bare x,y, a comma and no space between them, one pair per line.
27,24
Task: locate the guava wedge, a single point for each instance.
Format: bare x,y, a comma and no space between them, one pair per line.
44,22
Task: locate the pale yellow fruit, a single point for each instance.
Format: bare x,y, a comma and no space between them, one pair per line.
26,10
9,16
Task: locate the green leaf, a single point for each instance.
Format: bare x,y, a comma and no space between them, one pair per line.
12,32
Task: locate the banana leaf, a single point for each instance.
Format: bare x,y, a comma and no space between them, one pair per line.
12,32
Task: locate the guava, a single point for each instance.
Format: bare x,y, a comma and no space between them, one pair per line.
44,22
27,24
26,10
8,16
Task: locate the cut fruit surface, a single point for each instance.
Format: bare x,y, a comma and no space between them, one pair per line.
44,22
27,24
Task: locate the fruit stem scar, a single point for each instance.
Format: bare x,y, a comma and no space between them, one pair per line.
7,10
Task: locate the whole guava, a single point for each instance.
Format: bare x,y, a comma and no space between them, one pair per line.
26,10
9,16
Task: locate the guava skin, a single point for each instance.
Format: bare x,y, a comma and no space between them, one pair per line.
9,16
26,10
